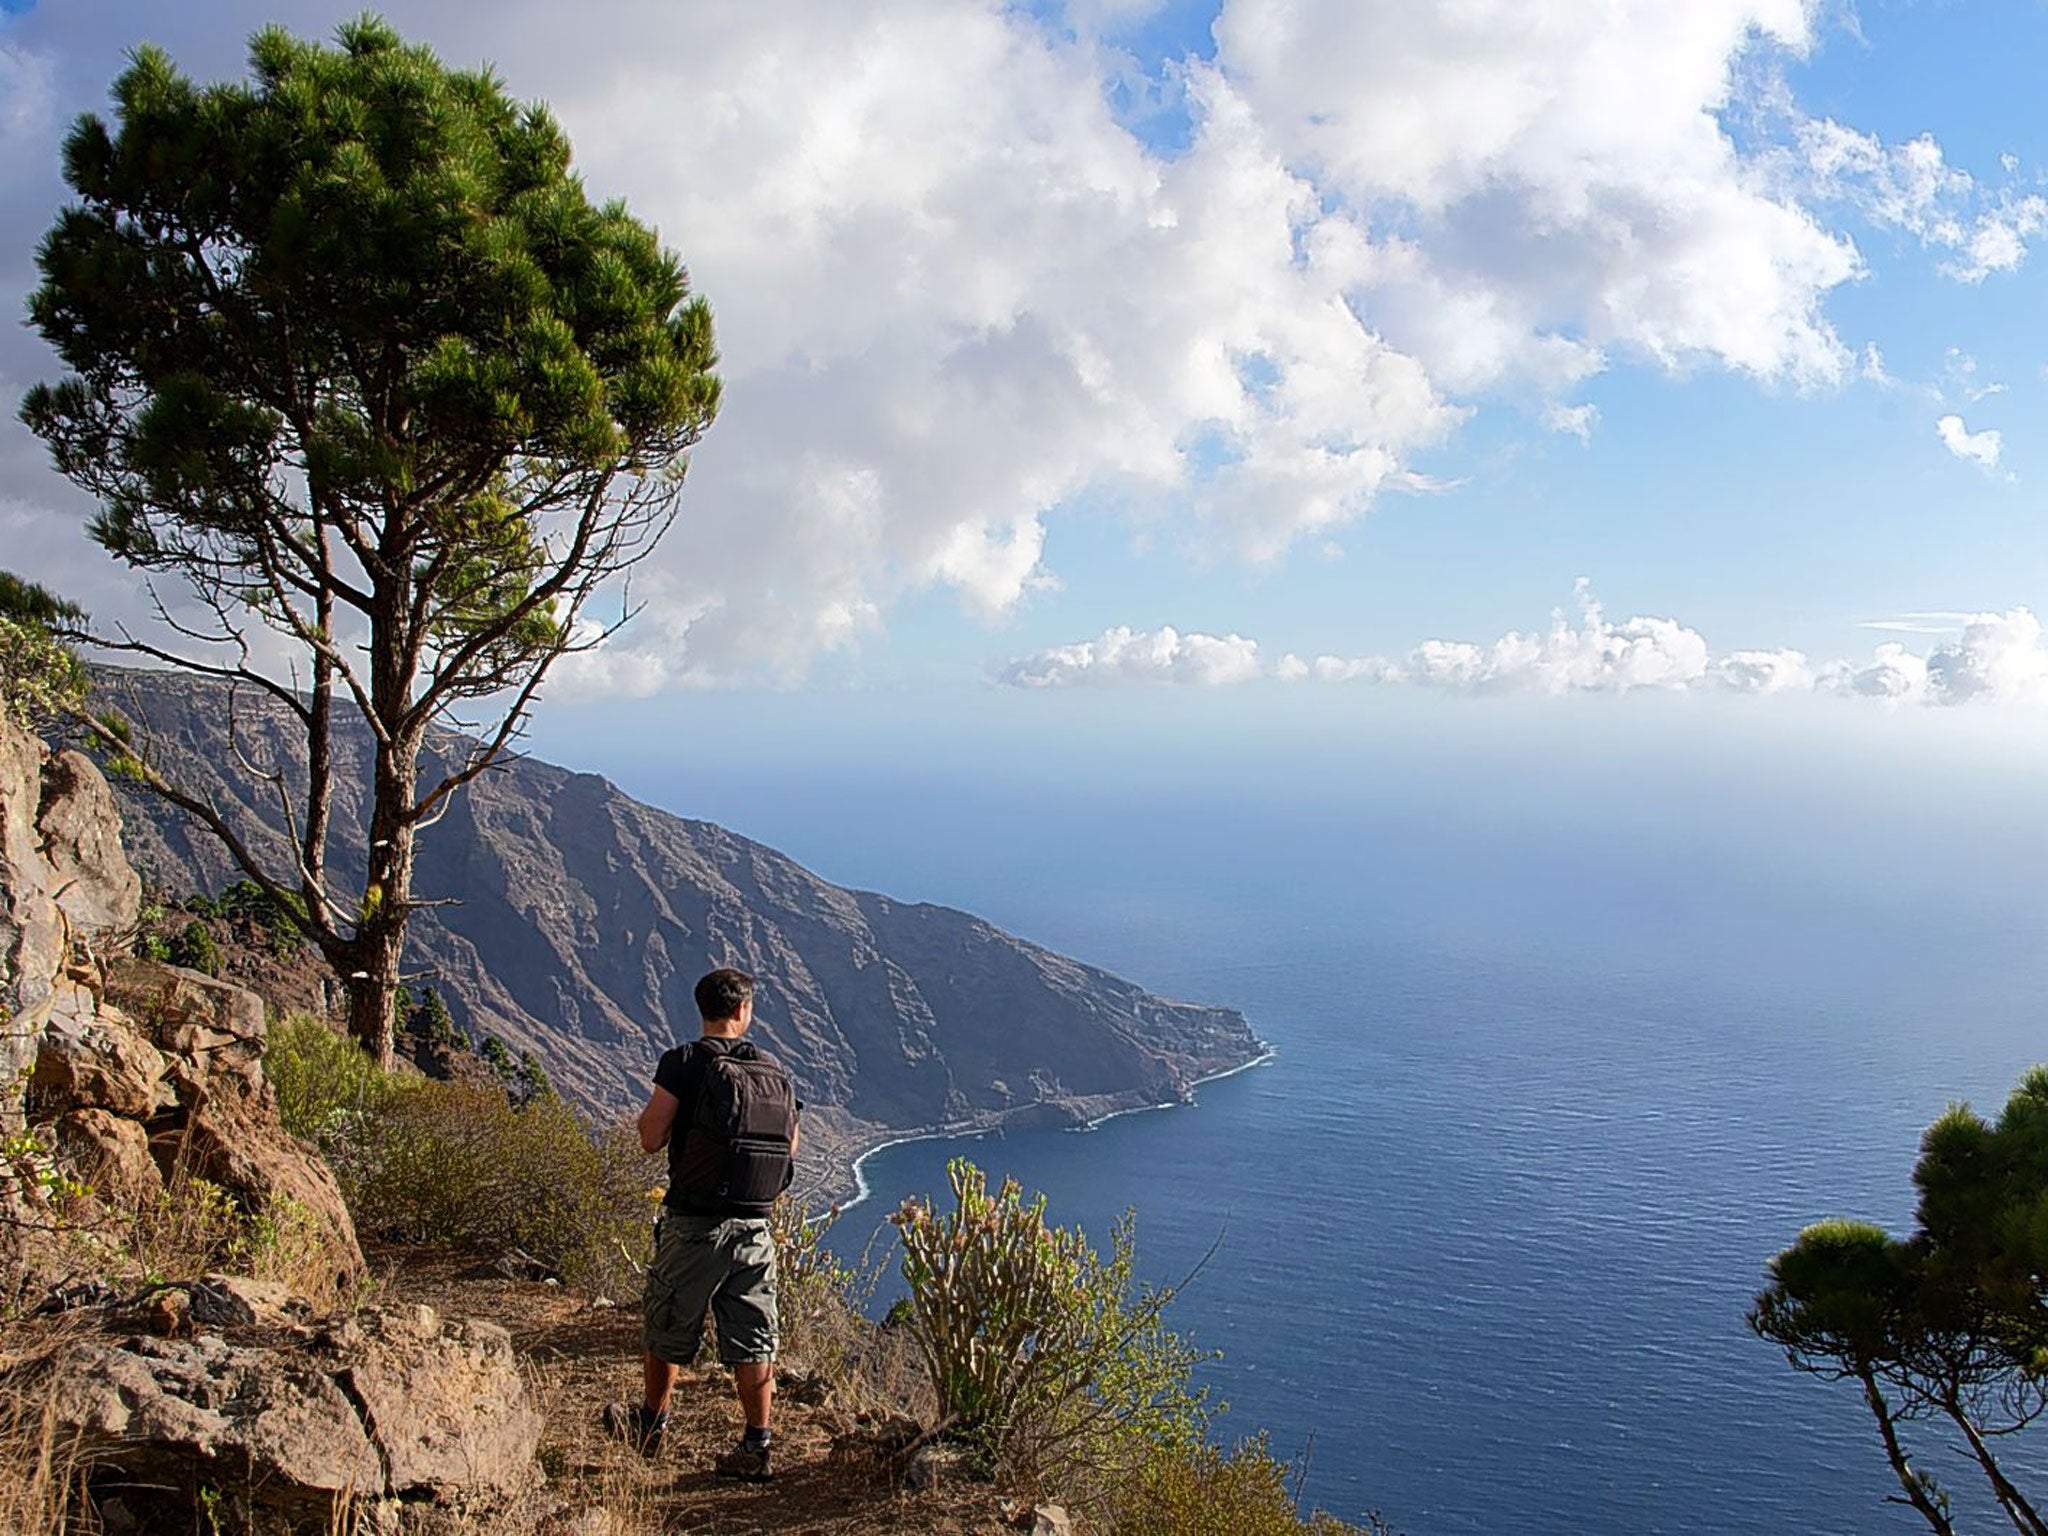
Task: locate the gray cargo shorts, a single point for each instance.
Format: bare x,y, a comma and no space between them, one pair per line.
724,1263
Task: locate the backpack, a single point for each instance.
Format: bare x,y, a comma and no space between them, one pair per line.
735,1152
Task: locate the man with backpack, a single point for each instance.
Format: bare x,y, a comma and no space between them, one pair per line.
728,1117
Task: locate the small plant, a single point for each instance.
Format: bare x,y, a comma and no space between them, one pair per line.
42,1474
197,948
40,679
279,923
1207,1491
1051,1362
49,1189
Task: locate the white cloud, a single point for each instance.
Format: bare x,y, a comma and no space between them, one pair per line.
1123,655
1572,420
1893,673
1567,181
1999,658
1781,671
956,294
1979,448
1994,659
1592,655
1912,187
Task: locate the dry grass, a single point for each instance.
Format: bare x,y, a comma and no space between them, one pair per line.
42,1470
195,1227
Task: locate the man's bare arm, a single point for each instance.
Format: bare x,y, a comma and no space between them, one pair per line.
657,1120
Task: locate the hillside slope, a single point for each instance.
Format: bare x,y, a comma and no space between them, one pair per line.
583,918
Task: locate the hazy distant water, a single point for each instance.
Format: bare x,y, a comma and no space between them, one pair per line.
1551,1088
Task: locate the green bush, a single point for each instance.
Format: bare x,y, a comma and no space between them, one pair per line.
41,681
326,1086
1051,1362
1207,1491
455,1162
819,1298
245,901
197,948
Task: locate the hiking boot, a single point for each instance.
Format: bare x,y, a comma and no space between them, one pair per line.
747,1461
636,1426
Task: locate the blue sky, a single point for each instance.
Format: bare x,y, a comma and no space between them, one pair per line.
1118,346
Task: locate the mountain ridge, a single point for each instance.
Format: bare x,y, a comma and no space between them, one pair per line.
585,916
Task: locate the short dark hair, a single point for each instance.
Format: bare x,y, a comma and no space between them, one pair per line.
720,994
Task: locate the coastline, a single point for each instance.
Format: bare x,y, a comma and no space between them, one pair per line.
1267,1052
975,1130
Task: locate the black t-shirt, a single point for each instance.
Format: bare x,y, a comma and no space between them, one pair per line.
681,1072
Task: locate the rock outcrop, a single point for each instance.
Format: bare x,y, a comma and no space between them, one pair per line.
132,1078
64,885
389,1416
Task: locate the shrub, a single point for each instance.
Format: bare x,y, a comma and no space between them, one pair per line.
193,1226
819,1299
325,1084
245,901
1207,1491
197,948
41,681
455,1162
1052,1363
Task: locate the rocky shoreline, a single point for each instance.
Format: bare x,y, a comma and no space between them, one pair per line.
838,1180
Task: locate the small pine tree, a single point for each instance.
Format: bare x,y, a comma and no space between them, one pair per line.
531,1079
197,948
431,1020
497,1057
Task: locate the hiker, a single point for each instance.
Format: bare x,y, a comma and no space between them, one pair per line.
728,1116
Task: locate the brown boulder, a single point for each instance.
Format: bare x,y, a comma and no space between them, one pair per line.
385,1407
236,1301
80,825
249,1155
212,1031
112,1155
445,1404
173,1413
98,1064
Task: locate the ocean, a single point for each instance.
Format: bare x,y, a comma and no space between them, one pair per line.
1563,1054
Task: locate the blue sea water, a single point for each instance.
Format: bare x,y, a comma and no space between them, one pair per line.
1559,1066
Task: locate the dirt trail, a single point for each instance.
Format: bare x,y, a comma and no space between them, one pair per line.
580,1356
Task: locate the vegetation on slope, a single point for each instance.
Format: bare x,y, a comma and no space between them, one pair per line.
1038,1366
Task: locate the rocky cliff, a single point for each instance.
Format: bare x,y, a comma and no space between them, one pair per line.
133,1074
583,918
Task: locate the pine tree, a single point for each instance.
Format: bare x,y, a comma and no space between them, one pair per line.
531,1080
431,1020
354,356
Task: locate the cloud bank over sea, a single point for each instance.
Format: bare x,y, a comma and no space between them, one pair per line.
1987,658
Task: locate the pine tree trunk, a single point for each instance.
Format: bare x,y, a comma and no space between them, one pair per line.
372,989
387,900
